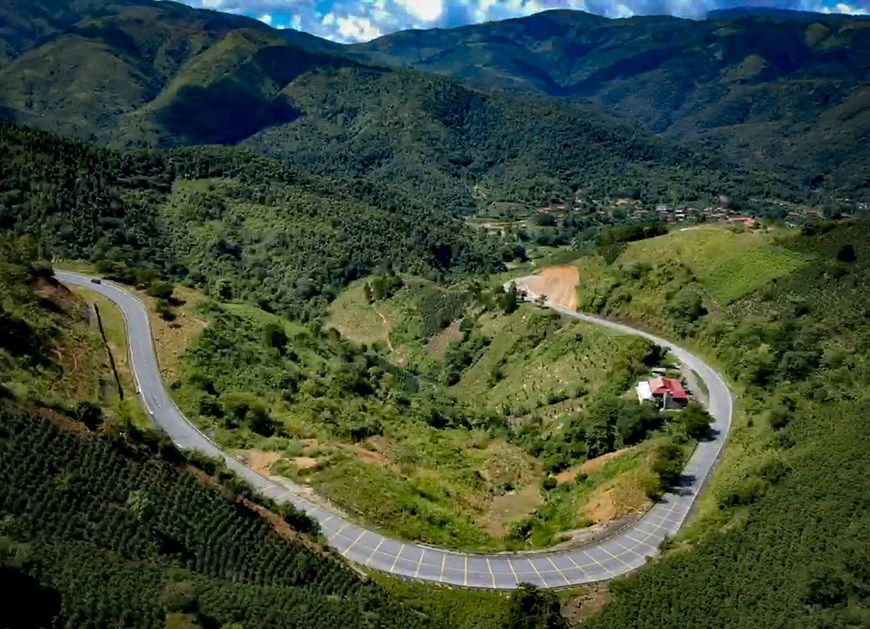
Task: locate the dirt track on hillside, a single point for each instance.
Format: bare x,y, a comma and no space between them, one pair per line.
558,284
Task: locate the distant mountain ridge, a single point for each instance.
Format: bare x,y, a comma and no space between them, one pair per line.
773,89
141,74
787,99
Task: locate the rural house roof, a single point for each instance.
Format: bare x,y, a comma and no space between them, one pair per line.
669,386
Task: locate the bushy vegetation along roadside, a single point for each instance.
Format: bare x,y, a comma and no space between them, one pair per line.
456,445
786,542
237,224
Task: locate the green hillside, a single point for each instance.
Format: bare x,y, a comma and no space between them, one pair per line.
226,219
785,521
105,524
50,345
433,433
150,74
781,91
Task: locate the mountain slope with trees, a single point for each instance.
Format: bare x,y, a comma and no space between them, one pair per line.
775,90
243,226
146,74
780,537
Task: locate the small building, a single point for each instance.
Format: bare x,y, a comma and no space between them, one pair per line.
668,393
746,220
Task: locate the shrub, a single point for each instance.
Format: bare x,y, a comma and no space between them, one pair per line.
744,493
847,254
163,309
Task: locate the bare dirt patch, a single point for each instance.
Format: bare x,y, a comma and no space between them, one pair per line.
589,467
386,329
506,509
305,462
373,451
259,460
616,499
437,345
52,292
558,284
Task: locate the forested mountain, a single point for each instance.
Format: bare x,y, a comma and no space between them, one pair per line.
776,90
146,74
240,225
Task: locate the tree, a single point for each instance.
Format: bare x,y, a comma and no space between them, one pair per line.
510,301
275,337
161,290
696,420
668,464
531,608
847,254
163,309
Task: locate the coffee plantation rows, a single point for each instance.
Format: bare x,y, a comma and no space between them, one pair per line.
111,534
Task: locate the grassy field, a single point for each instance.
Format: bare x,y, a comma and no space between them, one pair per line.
729,264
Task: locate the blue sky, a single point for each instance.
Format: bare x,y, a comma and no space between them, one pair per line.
362,20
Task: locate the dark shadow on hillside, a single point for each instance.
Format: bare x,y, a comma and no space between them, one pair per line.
28,604
224,113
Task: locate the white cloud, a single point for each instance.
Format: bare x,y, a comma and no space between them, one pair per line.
845,8
425,10
355,28
356,20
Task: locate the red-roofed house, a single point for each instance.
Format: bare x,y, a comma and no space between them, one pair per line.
746,220
668,392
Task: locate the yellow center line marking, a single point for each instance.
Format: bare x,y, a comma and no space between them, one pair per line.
617,557
419,562
353,543
374,552
491,573
339,531
465,578
556,568
396,560
579,567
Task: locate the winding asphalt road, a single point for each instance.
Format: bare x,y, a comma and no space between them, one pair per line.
610,557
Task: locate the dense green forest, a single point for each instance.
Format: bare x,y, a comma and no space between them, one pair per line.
777,91
790,542
243,226
161,75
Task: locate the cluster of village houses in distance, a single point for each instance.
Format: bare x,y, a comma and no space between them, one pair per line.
626,208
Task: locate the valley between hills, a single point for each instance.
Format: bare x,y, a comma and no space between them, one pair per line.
558,321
